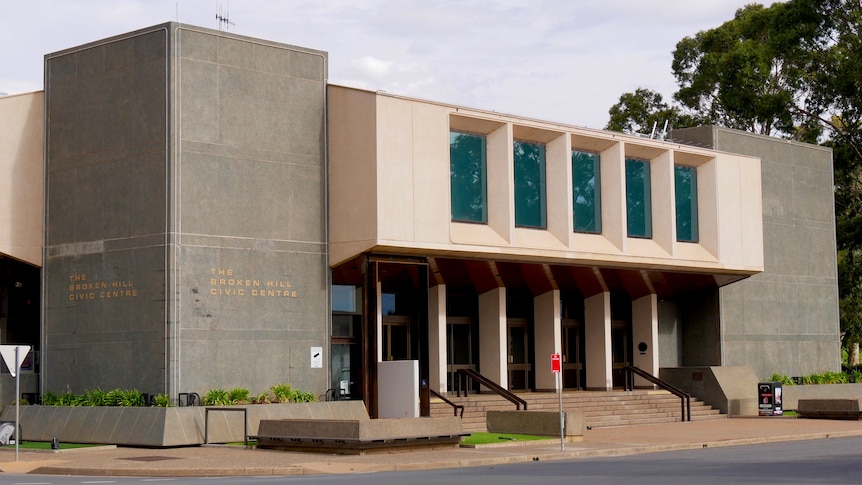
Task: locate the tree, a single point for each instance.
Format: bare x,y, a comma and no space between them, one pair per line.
640,111
792,70
748,73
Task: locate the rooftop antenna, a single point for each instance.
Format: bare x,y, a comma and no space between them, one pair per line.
223,19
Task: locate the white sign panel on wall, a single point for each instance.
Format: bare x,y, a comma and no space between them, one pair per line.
317,357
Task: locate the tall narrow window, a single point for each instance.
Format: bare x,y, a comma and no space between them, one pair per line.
638,201
685,185
529,184
586,191
468,190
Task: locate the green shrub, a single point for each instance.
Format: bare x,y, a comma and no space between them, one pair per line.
69,399
304,396
50,399
131,398
282,392
162,400
216,397
113,397
784,380
238,395
262,398
95,397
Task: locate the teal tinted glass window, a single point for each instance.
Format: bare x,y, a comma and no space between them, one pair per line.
529,184
468,191
638,201
586,191
685,185
344,298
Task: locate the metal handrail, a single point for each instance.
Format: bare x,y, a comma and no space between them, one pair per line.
456,407
684,397
465,374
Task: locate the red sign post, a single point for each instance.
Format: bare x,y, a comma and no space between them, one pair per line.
556,365
556,368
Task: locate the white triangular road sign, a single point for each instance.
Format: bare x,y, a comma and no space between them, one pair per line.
8,352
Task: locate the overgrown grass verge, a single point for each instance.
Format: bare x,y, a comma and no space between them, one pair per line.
488,438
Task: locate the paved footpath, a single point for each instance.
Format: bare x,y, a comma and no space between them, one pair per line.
233,460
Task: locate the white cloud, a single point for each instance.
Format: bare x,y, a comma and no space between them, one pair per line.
561,61
372,66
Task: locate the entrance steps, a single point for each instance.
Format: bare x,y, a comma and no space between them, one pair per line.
600,409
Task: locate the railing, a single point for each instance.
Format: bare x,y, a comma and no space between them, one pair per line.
463,381
684,397
455,407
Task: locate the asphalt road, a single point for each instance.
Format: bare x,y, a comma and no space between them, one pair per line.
832,461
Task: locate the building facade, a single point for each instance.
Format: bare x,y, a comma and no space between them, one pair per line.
185,241
217,215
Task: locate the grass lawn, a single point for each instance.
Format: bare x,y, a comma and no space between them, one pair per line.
488,438
46,445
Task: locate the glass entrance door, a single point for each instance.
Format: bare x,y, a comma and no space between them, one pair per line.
396,337
519,354
459,348
620,350
573,364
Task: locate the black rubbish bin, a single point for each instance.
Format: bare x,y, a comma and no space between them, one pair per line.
769,399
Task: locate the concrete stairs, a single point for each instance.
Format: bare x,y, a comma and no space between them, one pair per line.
613,408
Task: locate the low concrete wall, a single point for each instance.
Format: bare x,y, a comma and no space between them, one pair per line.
362,429
163,427
830,408
359,436
730,389
792,394
540,423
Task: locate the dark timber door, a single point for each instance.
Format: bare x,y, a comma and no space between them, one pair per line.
519,354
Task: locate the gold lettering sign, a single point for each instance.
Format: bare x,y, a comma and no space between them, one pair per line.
81,288
225,282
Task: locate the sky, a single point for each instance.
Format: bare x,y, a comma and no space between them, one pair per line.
564,61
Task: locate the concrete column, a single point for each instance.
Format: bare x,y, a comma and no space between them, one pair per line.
547,341
645,331
492,336
597,333
437,337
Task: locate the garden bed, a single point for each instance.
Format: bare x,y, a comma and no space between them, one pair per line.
158,426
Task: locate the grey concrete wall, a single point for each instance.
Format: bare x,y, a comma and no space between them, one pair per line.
250,287
186,170
701,330
669,334
784,320
104,301
730,389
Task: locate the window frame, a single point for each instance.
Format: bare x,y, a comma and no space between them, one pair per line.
461,217
542,195
647,199
694,230
596,159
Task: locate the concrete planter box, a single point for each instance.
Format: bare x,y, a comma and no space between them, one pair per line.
540,423
793,394
160,427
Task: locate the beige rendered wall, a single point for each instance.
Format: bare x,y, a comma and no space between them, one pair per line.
597,332
492,334
21,176
546,326
352,178
389,175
